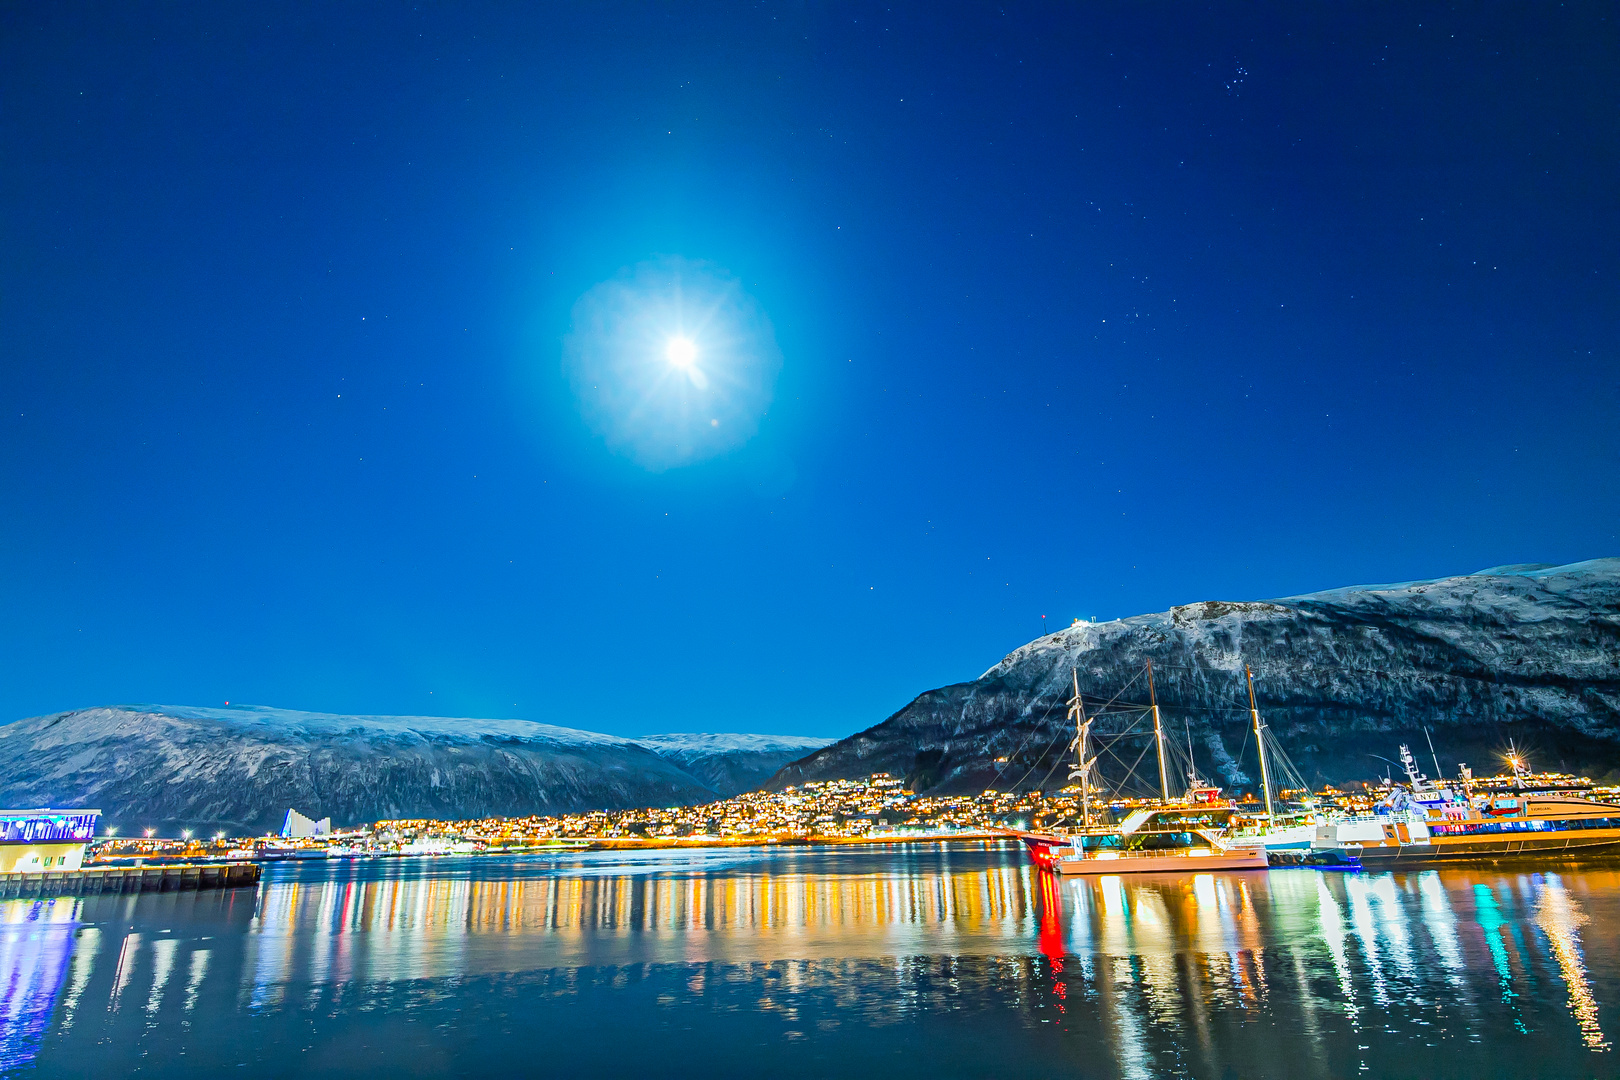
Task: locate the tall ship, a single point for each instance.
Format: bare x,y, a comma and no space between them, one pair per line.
1422,823
1186,835
1277,830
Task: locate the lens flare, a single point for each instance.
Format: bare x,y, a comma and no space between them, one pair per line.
672,362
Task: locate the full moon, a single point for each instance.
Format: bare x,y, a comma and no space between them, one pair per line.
681,351
672,362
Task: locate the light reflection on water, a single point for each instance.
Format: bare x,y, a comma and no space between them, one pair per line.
906,961
36,941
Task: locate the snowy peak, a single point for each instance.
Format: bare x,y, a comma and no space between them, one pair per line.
239,767
720,743
1528,652
293,721
1571,576
1522,592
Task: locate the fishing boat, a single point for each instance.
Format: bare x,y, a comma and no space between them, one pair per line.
1423,823
1166,836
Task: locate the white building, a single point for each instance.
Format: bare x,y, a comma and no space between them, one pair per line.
34,841
297,826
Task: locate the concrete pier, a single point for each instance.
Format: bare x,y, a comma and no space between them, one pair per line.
129,879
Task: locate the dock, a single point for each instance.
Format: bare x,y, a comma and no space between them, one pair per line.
129,879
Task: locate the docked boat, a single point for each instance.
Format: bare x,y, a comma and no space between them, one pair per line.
1188,839
1424,823
1166,836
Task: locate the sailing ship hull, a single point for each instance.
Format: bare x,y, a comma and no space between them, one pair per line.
1202,863
1050,852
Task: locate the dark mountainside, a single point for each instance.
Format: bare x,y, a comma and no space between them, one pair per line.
239,769
1525,653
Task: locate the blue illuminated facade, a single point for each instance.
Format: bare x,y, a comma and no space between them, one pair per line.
47,826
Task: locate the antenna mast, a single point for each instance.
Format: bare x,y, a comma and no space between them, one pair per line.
1516,760
1158,736
1260,741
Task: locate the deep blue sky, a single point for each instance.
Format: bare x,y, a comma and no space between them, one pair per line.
1084,310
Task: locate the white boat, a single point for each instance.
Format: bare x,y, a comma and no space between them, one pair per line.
1163,839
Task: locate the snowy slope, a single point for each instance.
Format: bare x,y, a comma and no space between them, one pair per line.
239,768
675,745
731,764
325,724
1529,653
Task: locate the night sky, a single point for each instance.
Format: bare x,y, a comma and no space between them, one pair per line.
1077,310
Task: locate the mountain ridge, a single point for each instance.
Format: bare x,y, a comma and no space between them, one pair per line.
238,768
1527,652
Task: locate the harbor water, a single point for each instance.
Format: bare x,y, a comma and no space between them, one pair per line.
910,960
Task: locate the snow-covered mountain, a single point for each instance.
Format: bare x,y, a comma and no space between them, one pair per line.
240,768
731,764
1529,653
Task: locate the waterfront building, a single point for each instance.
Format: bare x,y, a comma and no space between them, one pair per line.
33,841
297,826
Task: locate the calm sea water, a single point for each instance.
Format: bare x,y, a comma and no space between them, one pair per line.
895,962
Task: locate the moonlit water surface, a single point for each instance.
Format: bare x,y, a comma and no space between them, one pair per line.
902,961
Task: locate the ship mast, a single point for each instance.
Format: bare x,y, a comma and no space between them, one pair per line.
1260,742
1082,726
1158,736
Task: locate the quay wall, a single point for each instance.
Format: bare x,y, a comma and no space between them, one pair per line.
129,879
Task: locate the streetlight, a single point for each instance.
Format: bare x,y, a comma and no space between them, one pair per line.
149,833
185,834
112,830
